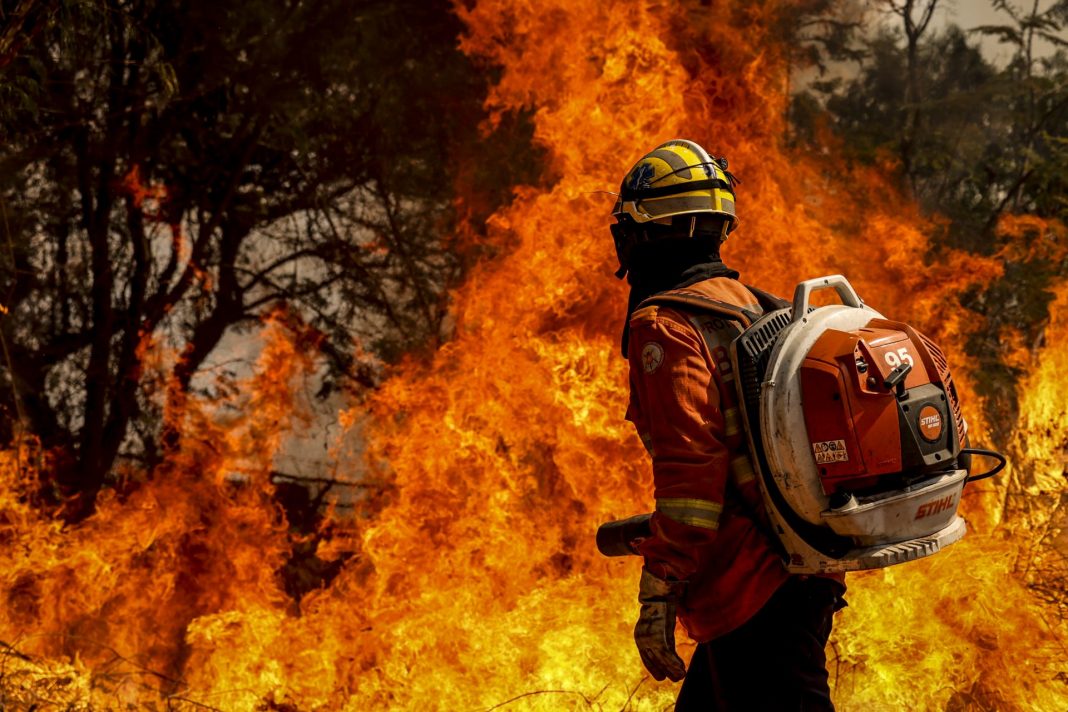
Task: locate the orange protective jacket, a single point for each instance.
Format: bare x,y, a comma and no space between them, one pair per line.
709,525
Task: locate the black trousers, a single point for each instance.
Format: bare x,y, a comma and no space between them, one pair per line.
775,662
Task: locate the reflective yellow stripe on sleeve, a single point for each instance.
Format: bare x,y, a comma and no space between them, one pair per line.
695,512
732,419
741,470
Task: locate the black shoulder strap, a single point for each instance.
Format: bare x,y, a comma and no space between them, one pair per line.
768,301
691,301
694,300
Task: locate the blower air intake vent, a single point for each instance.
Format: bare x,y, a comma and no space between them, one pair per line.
763,334
754,353
943,373
915,549
936,353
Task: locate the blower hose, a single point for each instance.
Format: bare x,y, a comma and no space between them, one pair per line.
985,453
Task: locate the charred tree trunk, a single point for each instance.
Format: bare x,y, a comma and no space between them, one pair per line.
914,30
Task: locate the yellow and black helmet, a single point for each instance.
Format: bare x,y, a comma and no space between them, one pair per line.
676,178
676,192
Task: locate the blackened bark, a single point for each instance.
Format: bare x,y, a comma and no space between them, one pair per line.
84,481
229,308
914,29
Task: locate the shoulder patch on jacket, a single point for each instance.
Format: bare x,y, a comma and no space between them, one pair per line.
652,356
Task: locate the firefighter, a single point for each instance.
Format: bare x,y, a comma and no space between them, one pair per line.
710,558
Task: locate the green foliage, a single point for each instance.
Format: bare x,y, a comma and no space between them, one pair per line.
986,139
1047,25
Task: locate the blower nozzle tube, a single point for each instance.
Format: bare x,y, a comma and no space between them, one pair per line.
621,537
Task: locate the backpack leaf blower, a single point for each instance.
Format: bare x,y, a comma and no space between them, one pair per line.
855,431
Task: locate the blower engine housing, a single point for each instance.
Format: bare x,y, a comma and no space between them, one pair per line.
855,430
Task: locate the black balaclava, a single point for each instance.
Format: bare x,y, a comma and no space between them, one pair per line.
671,263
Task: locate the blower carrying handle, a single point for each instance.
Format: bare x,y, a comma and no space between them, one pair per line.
985,453
840,284
621,538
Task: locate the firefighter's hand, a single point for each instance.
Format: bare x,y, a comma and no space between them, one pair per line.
655,632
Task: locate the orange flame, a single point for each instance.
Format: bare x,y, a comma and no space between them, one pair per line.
476,583
151,201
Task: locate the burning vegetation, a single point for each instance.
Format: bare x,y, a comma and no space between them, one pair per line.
466,577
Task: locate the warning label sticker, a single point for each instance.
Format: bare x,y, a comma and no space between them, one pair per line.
830,451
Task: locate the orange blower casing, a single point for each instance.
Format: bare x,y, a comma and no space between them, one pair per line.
866,435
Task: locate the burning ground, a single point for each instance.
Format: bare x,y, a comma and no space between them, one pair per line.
471,581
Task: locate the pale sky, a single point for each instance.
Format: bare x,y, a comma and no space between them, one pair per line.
967,14
973,13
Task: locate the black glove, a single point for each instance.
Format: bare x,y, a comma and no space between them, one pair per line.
654,633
